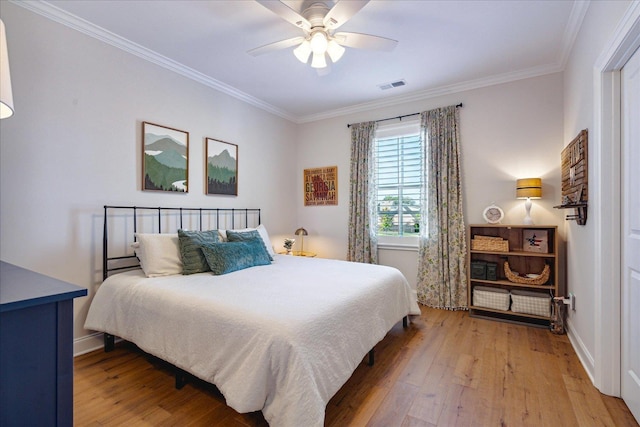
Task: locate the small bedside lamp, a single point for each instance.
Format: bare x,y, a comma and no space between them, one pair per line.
301,232
528,188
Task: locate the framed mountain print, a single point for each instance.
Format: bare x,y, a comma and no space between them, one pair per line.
165,158
222,168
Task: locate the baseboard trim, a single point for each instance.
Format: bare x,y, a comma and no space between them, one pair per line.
582,352
87,344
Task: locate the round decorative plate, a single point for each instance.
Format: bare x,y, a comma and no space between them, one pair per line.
493,214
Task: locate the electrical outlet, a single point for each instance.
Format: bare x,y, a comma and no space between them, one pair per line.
572,301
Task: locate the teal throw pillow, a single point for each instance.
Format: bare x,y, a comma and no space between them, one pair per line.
224,258
193,260
245,236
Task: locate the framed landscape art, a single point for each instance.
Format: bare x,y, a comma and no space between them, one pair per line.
165,158
221,168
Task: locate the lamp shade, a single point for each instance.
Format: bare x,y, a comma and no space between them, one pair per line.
303,51
318,60
319,42
529,188
6,96
335,51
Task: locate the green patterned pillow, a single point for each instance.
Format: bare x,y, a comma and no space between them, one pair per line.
245,236
224,258
193,260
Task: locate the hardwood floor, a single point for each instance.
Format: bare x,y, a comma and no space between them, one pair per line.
445,369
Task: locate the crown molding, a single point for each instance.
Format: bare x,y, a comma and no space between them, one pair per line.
624,41
435,92
578,12
56,14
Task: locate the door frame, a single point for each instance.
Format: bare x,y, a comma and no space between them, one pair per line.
607,202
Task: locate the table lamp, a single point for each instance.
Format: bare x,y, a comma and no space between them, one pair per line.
301,232
528,188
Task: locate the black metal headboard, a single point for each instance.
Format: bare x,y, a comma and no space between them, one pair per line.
122,222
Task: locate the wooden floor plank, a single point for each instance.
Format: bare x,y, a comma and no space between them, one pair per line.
395,406
588,408
359,410
445,369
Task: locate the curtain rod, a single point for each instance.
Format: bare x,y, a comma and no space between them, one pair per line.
400,117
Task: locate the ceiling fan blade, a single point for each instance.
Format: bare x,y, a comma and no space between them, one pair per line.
342,12
282,44
286,13
365,41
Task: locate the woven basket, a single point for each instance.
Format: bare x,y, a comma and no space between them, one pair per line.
488,243
540,280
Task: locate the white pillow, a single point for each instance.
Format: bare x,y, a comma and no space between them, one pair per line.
262,230
265,238
159,254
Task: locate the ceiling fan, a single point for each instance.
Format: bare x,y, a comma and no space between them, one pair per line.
319,22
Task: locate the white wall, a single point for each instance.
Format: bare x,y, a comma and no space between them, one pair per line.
508,131
74,145
585,251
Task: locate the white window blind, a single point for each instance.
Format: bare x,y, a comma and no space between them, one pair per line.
399,163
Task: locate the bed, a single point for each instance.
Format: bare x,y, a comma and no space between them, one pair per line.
281,337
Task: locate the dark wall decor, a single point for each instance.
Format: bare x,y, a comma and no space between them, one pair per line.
321,186
221,168
165,158
575,174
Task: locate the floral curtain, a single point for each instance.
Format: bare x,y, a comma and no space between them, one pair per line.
362,242
442,281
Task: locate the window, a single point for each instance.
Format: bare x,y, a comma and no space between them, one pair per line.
400,177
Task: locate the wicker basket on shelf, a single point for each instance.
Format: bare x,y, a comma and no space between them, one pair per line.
540,280
489,243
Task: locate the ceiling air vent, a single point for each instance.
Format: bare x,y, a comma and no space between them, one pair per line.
391,85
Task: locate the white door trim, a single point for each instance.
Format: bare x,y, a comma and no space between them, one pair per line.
606,203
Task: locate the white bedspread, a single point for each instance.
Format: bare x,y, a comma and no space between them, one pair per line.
281,338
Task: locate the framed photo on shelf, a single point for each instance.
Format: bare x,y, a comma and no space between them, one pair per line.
165,158
535,241
221,168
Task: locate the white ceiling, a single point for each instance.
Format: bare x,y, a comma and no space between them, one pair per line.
444,46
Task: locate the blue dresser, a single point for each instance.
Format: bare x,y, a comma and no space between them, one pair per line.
36,348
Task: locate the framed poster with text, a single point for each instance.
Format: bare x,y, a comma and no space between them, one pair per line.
321,186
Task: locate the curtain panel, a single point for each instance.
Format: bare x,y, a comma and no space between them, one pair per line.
442,281
362,239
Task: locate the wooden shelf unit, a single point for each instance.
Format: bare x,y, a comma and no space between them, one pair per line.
519,260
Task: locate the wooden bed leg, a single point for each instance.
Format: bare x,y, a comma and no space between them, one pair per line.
181,378
371,357
109,342
405,321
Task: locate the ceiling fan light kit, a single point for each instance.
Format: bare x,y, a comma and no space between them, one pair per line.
318,23
319,44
